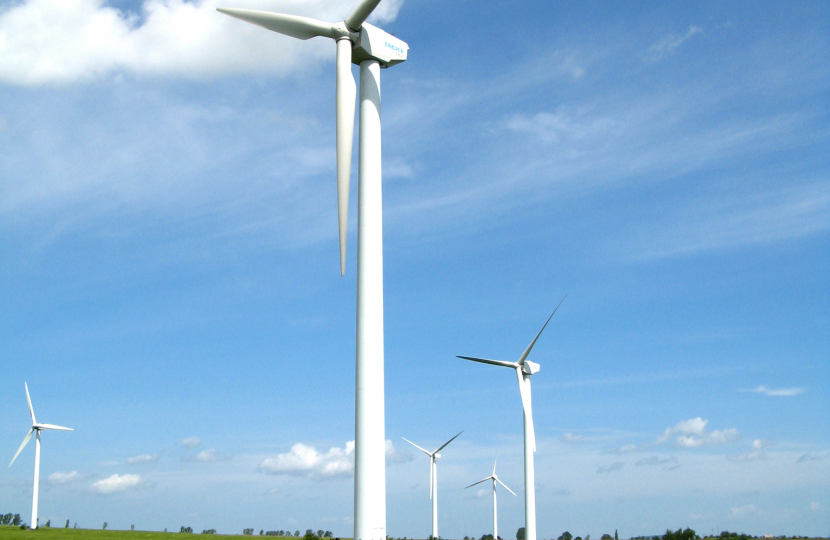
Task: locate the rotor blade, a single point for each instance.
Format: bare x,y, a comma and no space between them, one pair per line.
448,442
416,446
532,343
52,426
29,401
360,14
345,105
289,25
505,487
494,466
25,441
526,406
486,361
431,476
480,481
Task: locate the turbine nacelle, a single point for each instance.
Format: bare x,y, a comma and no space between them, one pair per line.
530,368
374,43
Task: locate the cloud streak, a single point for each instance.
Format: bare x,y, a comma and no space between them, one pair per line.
777,392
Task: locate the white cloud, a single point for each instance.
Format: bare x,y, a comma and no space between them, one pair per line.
563,125
571,438
306,461
744,510
756,453
692,433
143,458
207,456
815,505
60,41
780,392
117,483
670,43
64,477
190,442
610,468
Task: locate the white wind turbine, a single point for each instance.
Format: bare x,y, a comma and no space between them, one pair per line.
371,48
35,427
495,479
433,479
524,370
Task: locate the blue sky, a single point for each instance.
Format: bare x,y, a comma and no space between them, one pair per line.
170,266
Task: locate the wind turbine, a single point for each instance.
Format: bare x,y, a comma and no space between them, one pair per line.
524,370
38,428
371,48
433,479
495,479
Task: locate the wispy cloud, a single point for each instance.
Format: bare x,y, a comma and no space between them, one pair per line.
669,43
655,461
117,483
207,456
746,510
779,392
53,41
755,453
571,438
143,458
191,442
65,477
611,468
810,457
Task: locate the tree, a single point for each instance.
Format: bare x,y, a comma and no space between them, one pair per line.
321,533
67,524
520,534
105,525
48,523
680,534
7,519
132,527
186,530
615,535
565,536
486,537
296,533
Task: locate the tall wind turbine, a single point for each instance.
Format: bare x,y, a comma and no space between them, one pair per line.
524,370
495,479
35,428
371,48
433,479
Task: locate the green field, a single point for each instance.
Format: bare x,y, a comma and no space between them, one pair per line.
9,532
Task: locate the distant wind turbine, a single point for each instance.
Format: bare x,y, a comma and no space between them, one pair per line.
495,479
35,428
433,479
371,48
524,370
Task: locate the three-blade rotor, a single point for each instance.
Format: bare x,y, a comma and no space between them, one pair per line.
495,479
524,369
345,34
35,426
432,457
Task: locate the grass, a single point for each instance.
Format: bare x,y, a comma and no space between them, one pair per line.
9,532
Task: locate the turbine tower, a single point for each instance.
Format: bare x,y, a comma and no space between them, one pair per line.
495,479
433,479
35,427
524,370
371,48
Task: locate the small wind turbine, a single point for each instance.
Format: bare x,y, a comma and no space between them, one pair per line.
495,479
433,479
524,370
371,48
35,427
